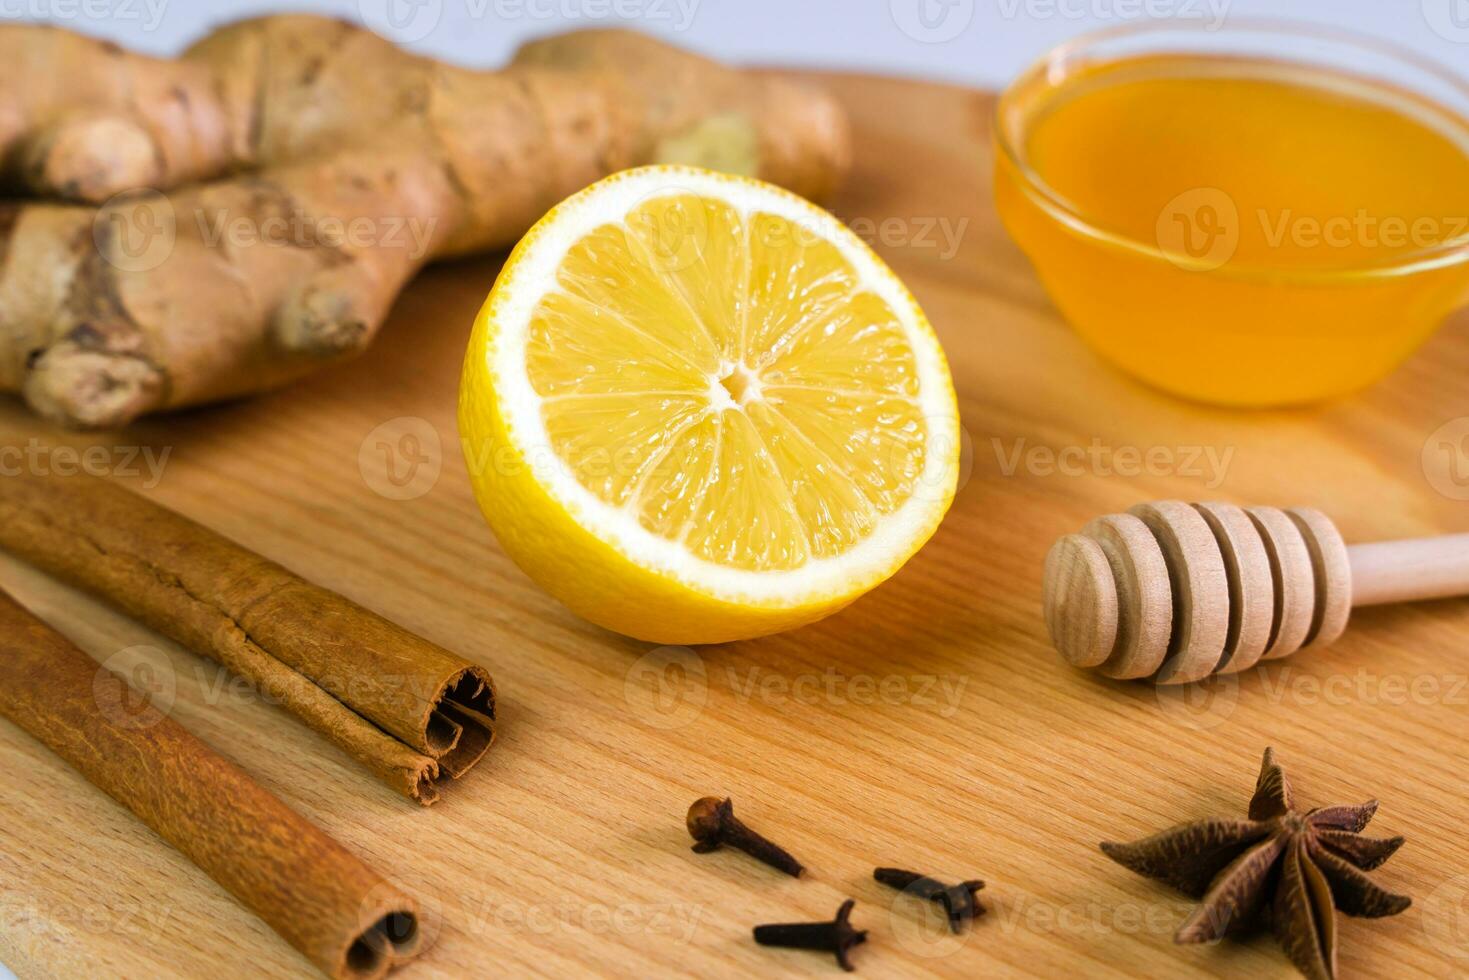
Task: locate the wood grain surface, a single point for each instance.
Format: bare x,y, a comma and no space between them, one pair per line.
928,726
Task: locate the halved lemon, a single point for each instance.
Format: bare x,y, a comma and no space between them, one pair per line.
698,408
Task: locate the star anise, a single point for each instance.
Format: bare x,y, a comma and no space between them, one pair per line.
1289,868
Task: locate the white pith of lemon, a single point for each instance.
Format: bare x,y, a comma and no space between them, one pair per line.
698,408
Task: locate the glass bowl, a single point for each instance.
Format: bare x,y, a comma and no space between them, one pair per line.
1169,279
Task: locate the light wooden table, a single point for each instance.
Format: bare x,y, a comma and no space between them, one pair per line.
928,726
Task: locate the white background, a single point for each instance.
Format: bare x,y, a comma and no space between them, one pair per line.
971,42
976,42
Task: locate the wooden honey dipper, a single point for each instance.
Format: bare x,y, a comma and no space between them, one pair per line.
1176,591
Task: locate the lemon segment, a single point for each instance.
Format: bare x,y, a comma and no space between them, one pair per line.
696,408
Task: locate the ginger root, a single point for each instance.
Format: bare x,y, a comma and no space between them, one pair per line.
310,169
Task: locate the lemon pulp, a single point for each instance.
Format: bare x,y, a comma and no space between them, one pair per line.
726,378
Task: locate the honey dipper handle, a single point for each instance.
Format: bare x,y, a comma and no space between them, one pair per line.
1406,571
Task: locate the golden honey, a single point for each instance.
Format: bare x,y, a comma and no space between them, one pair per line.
1240,230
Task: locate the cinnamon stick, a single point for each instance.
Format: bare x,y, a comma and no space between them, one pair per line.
344,917
409,710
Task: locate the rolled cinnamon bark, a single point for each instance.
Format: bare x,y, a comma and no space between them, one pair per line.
341,915
408,709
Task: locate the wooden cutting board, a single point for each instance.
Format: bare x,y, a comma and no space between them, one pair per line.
928,726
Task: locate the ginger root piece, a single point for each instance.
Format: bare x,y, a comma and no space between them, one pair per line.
336,166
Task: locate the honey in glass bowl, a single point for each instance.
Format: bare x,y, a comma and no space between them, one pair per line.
1261,215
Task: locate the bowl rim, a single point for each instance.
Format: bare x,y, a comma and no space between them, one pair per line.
1452,251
